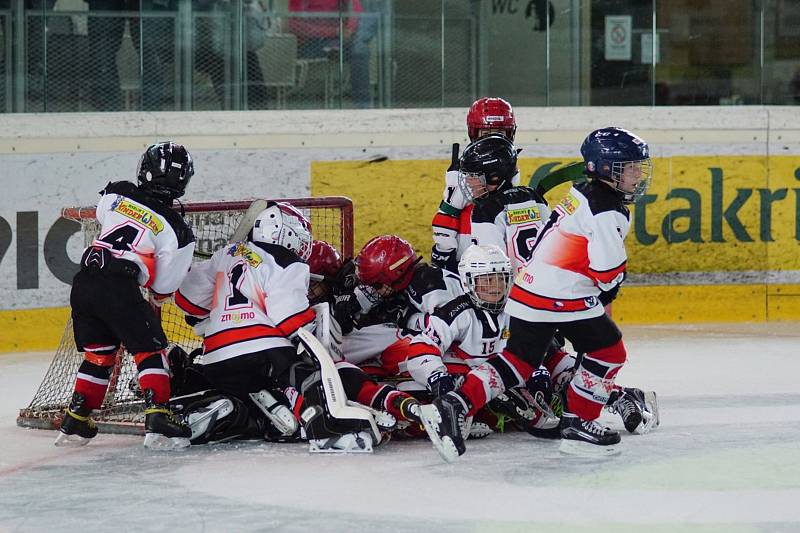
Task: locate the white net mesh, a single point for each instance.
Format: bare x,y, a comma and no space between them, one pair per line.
213,224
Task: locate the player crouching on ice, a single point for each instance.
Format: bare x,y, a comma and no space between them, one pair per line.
250,304
142,242
578,258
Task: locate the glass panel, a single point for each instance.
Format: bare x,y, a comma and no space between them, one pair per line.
459,74
565,40
709,53
417,54
619,69
782,52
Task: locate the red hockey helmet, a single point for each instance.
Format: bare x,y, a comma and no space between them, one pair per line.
324,260
494,114
386,260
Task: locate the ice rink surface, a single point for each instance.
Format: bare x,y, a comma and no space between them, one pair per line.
726,458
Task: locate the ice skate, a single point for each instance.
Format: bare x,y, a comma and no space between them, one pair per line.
77,429
444,421
638,410
587,437
163,431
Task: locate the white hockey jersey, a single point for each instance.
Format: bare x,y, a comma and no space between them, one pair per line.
255,296
457,334
580,253
510,219
451,223
138,228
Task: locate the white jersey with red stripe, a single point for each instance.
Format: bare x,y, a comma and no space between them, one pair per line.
451,224
254,296
580,254
458,333
137,227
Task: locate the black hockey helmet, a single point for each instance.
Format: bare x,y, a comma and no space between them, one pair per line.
165,169
492,159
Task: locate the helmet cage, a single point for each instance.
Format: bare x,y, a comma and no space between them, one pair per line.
645,170
473,185
285,226
485,269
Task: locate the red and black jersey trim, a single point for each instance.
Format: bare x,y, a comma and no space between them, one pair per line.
231,336
188,307
606,276
296,321
545,303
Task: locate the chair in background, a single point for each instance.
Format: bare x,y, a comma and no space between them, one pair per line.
278,59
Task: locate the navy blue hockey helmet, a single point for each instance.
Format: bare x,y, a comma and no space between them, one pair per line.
491,160
620,157
165,168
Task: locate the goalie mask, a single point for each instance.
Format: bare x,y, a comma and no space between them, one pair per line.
491,115
386,261
489,161
485,273
165,169
282,224
324,264
620,159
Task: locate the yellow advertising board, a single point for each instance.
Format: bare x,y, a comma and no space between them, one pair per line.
733,222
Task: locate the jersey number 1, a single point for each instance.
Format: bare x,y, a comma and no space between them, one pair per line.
236,298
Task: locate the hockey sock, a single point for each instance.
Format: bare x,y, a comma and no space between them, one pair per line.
94,373
153,374
488,380
594,380
560,364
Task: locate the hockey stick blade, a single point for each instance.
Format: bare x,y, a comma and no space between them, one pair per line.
544,180
242,229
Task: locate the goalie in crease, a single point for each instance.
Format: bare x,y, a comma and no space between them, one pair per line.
142,242
249,303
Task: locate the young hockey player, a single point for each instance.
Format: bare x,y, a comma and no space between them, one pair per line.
142,242
497,211
486,116
464,332
578,264
248,301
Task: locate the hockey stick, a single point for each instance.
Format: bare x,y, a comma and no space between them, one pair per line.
242,229
543,180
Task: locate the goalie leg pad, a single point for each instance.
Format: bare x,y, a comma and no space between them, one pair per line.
328,414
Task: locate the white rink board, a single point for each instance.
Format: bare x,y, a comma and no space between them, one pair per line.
724,459
50,161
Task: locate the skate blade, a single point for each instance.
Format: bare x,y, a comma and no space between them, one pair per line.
650,416
587,449
70,441
445,446
344,444
159,442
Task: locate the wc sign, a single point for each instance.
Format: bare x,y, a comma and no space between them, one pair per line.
618,38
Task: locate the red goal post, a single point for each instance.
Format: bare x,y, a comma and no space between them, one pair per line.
213,224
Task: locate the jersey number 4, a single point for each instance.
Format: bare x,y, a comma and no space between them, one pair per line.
122,238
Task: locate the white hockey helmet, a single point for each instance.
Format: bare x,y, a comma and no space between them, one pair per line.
485,273
283,224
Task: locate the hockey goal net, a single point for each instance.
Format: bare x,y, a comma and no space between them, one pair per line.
213,224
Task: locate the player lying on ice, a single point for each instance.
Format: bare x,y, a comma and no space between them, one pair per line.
269,376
